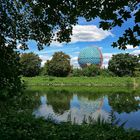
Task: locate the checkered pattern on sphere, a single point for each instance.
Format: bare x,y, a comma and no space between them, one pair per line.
90,55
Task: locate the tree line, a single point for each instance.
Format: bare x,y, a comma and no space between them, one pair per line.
59,66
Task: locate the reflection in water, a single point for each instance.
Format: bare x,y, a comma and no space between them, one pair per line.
127,108
81,109
124,103
43,100
60,102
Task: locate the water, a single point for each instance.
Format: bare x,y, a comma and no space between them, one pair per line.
76,107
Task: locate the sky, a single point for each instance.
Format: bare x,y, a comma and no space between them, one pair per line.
87,34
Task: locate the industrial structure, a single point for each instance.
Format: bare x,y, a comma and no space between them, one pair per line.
89,56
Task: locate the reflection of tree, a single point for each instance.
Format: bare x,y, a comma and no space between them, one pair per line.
59,101
123,102
91,96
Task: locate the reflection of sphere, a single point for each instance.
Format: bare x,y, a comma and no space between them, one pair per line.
43,100
85,105
90,55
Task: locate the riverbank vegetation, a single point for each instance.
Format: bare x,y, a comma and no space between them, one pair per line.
81,81
18,122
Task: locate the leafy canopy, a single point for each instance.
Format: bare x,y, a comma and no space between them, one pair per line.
59,65
31,64
41,20
10,83
124,64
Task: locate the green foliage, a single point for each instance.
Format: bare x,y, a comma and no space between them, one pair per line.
123,64
41,20
59,65
91,70
31,64
124,103
106,73
137,71
17,122
77,72
10,84
59,102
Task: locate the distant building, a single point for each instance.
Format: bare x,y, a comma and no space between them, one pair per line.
89,56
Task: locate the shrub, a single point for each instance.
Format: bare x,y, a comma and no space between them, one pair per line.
91,71
77,72
106,73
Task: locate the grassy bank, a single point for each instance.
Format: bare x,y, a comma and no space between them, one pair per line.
81,81
79,90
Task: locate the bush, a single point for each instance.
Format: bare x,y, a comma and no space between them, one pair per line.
89,71
106,73
77,72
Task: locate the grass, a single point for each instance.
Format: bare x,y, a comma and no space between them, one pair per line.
81,81
79,90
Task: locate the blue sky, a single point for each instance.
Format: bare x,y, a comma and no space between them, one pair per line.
87,34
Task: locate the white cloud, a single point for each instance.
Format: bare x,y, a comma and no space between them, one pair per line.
56,44
130,47
76,52
107,55
135,52
84,33
74,61
88,33
106,58
44,58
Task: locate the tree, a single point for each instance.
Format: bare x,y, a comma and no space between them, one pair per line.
59,65
31,64
10,83
124,64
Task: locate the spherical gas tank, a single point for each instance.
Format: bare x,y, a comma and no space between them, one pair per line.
89,56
